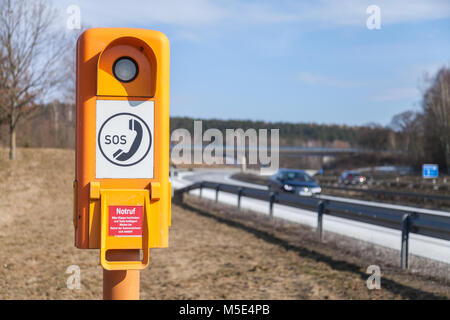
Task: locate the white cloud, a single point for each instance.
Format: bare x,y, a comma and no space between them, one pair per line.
321,80
397,94
353,12
205,13
130,13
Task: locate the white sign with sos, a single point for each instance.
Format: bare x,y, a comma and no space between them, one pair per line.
124,140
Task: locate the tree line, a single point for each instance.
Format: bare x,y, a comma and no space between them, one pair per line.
371,136
425,134
53,126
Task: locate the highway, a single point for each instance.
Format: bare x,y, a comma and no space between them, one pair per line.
419,245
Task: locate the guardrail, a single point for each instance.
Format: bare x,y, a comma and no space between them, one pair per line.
407,221
402,194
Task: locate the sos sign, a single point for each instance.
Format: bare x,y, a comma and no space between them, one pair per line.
124,140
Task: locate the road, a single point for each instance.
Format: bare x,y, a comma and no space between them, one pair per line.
427,247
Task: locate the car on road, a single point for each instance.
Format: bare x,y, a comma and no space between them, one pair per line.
352,178
294,181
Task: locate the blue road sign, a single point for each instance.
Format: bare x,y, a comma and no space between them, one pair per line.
430,171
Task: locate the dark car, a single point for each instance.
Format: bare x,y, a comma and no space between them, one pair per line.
352,177
293,181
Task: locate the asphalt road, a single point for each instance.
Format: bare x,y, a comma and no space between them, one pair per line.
435,249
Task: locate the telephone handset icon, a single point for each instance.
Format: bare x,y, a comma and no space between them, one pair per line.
123,156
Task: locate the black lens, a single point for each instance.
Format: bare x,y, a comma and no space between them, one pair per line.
125,69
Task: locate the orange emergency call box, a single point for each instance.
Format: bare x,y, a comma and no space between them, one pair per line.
122,193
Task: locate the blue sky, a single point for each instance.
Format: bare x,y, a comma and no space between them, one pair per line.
294,61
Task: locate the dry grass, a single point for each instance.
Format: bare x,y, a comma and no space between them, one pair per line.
36,230
334,269
209,257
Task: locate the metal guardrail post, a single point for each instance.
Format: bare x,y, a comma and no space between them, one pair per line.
217,193
239,198
405,241
201,190
178,197
320,210
271,202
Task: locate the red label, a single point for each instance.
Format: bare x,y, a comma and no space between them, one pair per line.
125,221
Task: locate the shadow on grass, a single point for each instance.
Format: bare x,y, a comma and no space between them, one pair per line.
406,292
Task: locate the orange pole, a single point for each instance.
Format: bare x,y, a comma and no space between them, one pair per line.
121,284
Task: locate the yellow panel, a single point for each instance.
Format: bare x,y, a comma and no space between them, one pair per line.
169,214
94,190
124,198
155,190
94,224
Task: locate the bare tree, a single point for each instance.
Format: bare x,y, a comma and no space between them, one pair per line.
70,65
426,134
68,89
31,49
410,130
436,108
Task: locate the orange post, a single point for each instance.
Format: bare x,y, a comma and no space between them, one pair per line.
121,284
